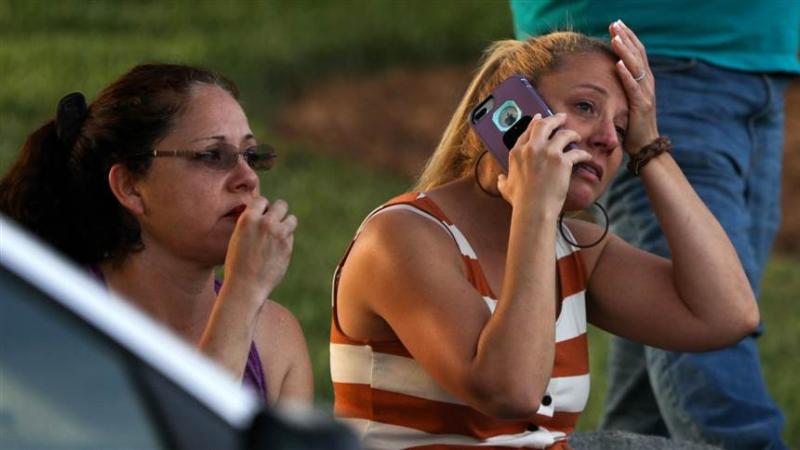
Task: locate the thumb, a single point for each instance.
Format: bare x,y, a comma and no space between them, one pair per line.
502,182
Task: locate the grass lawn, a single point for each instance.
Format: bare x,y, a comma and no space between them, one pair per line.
272,49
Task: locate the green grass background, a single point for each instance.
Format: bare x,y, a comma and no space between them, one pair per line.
273,49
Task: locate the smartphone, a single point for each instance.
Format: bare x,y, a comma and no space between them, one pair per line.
502,117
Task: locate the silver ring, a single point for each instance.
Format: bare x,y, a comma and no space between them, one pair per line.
640,77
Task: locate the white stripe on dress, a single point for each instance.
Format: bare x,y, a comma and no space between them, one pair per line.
381,436
564,248
462,242
358,364
387,372
569,394
571,321
404,207
490,303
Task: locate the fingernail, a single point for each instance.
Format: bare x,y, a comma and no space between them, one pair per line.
537,116
621,23
561,114
617,39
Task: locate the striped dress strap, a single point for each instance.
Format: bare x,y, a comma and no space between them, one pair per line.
419,203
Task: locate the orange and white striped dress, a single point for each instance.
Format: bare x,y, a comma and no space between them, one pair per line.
394,404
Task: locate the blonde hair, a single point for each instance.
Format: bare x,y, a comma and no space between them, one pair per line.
460,147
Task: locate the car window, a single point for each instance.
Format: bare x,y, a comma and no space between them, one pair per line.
62,384
188,423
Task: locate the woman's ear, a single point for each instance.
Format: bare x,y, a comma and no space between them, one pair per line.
125,188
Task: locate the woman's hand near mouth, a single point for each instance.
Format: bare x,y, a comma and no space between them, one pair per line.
260,248
258,255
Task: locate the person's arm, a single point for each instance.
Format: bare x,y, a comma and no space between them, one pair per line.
258,255
702,298
284,357
406,270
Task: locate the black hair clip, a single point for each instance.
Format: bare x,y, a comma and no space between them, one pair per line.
72,111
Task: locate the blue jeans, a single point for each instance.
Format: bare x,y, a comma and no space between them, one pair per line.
727,129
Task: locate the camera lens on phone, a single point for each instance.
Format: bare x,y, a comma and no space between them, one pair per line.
506,115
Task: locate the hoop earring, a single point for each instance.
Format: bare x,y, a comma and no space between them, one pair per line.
478,180
575,244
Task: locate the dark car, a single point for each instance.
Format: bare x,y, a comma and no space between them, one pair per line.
82,369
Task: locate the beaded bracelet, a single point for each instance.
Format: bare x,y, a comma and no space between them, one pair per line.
659,145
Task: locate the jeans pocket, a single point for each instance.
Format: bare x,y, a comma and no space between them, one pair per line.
666,64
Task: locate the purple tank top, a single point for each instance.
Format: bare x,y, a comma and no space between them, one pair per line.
253,371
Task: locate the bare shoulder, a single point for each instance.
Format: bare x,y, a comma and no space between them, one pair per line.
278,323
398,221
401,234
586,233
399,253
284,353
394,245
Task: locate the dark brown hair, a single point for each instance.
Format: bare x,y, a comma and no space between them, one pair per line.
58,187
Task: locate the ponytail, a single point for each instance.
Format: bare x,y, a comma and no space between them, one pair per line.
38,189
58,190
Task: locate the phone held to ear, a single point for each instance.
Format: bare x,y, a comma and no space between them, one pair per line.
502,117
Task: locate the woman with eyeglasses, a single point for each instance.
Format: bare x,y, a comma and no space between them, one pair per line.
152,186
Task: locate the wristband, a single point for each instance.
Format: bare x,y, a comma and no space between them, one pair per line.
659,145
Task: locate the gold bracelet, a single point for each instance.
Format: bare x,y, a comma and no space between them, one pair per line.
659,145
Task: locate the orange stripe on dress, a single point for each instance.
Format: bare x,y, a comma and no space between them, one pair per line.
572,357
432,208
408,197
421,414
477,278
338,337
352,400
561,445
571,274
392,347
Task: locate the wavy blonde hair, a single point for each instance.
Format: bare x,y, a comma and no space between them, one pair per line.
460,147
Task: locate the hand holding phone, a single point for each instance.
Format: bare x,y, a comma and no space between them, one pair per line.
501,118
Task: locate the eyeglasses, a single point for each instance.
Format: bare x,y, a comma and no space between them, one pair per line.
223,157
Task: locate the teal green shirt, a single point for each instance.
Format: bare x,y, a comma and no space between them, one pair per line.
749,35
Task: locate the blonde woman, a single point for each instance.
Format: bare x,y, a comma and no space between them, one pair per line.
460,310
